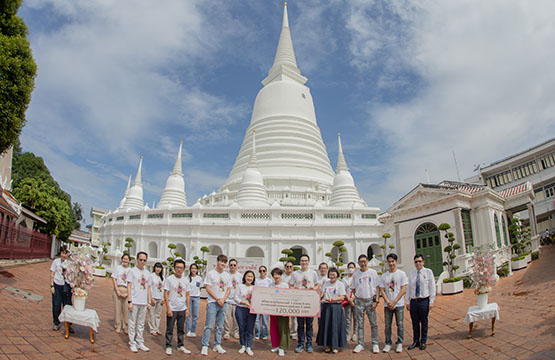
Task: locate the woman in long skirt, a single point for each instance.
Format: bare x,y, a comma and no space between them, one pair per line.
331,327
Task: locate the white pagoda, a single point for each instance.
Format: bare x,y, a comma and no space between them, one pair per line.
281,192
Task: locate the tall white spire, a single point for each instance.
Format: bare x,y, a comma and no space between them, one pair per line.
134,198
252,191
344,192
174,192
122,202
285,63
341,163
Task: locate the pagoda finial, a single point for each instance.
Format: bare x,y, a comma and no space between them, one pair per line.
138,177
177,169
341,163
128,183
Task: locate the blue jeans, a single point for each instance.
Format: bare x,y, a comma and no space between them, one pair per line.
399,318
213,311
261,326
302,322
419,316
245,323
363,307
191,322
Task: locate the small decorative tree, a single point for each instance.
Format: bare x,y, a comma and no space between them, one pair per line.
170,259
287,256
450,250
337,258
383,254
520,238
201,262
129,244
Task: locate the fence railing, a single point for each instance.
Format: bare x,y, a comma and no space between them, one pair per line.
18,242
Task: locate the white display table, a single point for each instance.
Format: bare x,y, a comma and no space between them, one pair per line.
87,317
474,313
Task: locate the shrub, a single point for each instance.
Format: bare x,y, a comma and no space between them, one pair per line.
451,280
450,250
535,255
518,258
467,282
503,270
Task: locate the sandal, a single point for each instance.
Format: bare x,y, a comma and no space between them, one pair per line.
335,351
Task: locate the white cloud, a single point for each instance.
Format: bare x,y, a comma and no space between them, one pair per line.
486,76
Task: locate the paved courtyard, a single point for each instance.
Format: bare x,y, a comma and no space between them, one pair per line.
526,329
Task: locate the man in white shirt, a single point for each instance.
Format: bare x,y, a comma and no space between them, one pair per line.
421,294
365,290
285,278
261,323
393,287
218,287
322,273
139,299
230,323
57,284
304,278
176,297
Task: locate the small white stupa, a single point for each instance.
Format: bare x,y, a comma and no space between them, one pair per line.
174,193
252,191
344,192
122,202
134,198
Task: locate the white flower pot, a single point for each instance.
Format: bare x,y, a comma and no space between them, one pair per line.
482,300
528,258
452,287
79,302
99,272
520,264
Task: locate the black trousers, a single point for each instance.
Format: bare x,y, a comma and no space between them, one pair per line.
60,298
419,315
179,317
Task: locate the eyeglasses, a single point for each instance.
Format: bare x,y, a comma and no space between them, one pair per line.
289,266
418,261
142,260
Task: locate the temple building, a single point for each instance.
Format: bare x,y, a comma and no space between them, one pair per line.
282,191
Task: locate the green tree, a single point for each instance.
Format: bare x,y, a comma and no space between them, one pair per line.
450,250
287,256
385,237
17,77
40,196
202,262
520,237
337,258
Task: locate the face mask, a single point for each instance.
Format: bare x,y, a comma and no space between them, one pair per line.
351,271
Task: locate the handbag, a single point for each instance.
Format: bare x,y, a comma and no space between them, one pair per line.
345,302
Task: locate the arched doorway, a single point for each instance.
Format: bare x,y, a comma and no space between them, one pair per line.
373,250
297,252
152,250
254,251
428,243
180,248
215,250
344,256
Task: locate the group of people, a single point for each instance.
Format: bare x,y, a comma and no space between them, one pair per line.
344,304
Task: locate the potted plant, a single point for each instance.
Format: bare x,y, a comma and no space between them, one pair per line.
483,276
453,284
337,260
520,240
80,276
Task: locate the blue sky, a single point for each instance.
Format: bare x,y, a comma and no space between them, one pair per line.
405,82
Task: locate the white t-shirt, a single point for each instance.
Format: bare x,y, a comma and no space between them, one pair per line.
196,283
236,279
392,283
347,280
58,269
266,282
331,291
286,278
322,279
219,283
120,274
282,285
140,281
365,283
243,293
156,287
177,291
304,280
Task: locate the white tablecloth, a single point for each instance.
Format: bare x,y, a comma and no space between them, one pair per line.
87,317
474,313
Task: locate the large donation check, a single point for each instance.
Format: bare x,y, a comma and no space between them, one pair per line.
285,302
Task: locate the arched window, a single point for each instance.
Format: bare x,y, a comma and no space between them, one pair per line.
215,250
152,250
427,242
497,232
180,248
254,251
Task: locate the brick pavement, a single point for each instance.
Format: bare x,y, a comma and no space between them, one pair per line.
526,329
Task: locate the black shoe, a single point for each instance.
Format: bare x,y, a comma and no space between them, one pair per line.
422,346
413,345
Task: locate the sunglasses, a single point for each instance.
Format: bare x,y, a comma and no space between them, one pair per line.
261,270
230,265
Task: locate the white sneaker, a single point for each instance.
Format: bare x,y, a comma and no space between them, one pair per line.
242,349
143,347
191,334
219,349
386,348
133,348
375,349
294,337
184,350
265,338
355,338
281,352
274,350
256,338
168,351
399,348
249,351
204,350
358,348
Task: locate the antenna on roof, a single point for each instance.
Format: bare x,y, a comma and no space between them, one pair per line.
456,165
427,176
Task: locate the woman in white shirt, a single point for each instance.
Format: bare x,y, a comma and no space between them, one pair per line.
245,320
157,294
196,283
331,327
119,280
